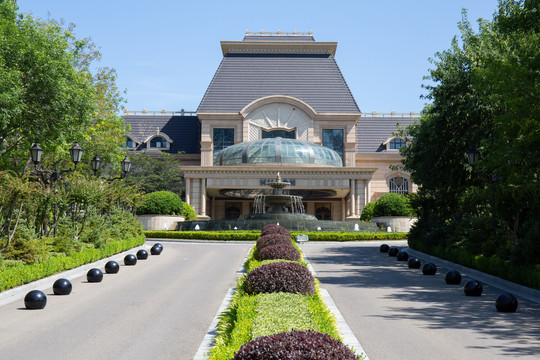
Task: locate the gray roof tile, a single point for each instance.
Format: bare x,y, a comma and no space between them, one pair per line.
185,131
313,78
371,132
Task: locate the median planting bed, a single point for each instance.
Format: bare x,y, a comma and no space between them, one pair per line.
277,312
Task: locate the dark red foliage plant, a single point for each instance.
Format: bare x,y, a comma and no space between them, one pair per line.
275,229
280,277
273,239
279,251
295,345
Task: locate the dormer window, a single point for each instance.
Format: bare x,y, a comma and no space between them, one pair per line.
396,144
158,142
130,142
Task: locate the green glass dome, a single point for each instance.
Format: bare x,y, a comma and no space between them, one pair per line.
277,150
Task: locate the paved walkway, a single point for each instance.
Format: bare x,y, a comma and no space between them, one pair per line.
399,313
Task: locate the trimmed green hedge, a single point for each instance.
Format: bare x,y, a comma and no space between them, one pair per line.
493,265
11,277
254,235
251,316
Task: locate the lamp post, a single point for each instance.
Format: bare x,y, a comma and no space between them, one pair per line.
95,164
473,156
36,153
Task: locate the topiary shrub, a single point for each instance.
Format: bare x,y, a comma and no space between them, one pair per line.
279,251
275,229
392,204
295,345
188,213
273,239
280,277
367,213
161,203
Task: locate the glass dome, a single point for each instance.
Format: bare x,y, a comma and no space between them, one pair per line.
277,150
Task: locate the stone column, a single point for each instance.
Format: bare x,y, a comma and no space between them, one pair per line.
343,209
203,197
188,190
352,198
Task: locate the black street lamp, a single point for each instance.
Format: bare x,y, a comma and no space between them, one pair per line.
95,164
473,155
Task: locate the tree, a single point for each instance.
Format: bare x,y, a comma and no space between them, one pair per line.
161,173
49,94
485,94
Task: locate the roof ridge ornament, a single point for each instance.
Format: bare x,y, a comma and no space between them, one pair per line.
278,33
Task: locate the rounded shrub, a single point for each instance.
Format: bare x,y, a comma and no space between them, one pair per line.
161,203
297,345
392,204
280,277
188,213
279,251
275,229
367,213
273,239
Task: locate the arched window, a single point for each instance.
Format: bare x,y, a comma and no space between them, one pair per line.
129,142
285,134
399,185
323,212
395,144
158,142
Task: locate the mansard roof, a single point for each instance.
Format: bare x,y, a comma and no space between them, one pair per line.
373,131
185,131
294,66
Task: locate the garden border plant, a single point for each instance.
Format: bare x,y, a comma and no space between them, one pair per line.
13,276
243,235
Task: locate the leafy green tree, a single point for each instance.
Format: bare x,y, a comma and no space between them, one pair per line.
484,93
49,94
159,172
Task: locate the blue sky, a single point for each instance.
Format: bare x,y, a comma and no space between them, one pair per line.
166,52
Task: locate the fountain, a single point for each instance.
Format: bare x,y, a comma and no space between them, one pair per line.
280,208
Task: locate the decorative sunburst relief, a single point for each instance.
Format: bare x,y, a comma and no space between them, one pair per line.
278,116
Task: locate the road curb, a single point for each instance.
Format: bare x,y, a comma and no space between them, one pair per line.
20,292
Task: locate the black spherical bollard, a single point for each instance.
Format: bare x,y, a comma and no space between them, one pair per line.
384,248
130,260
142,254
94,275
506,303
393,251
414,263
429,269
62,287
159,245
35,299
156,250
112,267
473,288
453,277
402,256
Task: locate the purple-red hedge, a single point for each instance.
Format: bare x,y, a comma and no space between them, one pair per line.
279,251
295,345
280,277
273,239
275,229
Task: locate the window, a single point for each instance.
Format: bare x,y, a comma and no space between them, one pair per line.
396,144
333,139
323,212
285,134
232,212
399,185
158,142
129,143
223,138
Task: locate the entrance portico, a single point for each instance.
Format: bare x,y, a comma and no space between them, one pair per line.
345,190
